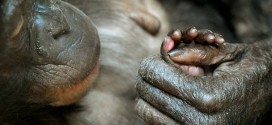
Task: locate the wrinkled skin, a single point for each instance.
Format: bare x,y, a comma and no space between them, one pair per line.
187,50
216,99
178,98
238,91
49,58
129,30
59,72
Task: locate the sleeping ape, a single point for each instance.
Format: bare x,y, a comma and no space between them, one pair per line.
50,62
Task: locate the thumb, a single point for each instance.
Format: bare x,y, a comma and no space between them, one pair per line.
203,55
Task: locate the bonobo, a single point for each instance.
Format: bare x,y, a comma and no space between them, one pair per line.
231,83
49,56
49,59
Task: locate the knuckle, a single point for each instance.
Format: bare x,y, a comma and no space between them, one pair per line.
209,103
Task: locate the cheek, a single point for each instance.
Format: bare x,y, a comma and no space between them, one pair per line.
67,64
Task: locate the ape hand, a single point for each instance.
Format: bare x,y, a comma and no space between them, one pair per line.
237,92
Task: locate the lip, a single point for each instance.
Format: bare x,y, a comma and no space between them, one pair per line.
66,95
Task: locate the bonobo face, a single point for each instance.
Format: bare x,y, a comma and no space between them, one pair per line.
54,47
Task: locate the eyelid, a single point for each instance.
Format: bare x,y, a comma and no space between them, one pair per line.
18,28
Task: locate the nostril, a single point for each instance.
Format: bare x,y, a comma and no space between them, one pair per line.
52,18
59,29
59,26
57,35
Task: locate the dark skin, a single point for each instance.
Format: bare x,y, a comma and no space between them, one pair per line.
113,93
214,105
56,98
236,91
49,52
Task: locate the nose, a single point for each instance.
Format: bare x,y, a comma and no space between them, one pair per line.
49,27
58,25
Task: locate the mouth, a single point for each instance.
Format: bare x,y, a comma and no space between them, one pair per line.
72,93
60,85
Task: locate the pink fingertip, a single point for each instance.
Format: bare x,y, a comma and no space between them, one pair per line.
168,44
220,40
176,36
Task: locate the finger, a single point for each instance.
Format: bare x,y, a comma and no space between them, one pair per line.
207,94
166,46
147,21
190,34
205,36
175,108
168,104
176,35
197,54
151,115
172,81
219,40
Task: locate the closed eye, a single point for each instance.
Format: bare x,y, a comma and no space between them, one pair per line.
18,28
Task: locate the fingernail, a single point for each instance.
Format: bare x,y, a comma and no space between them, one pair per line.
174,53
